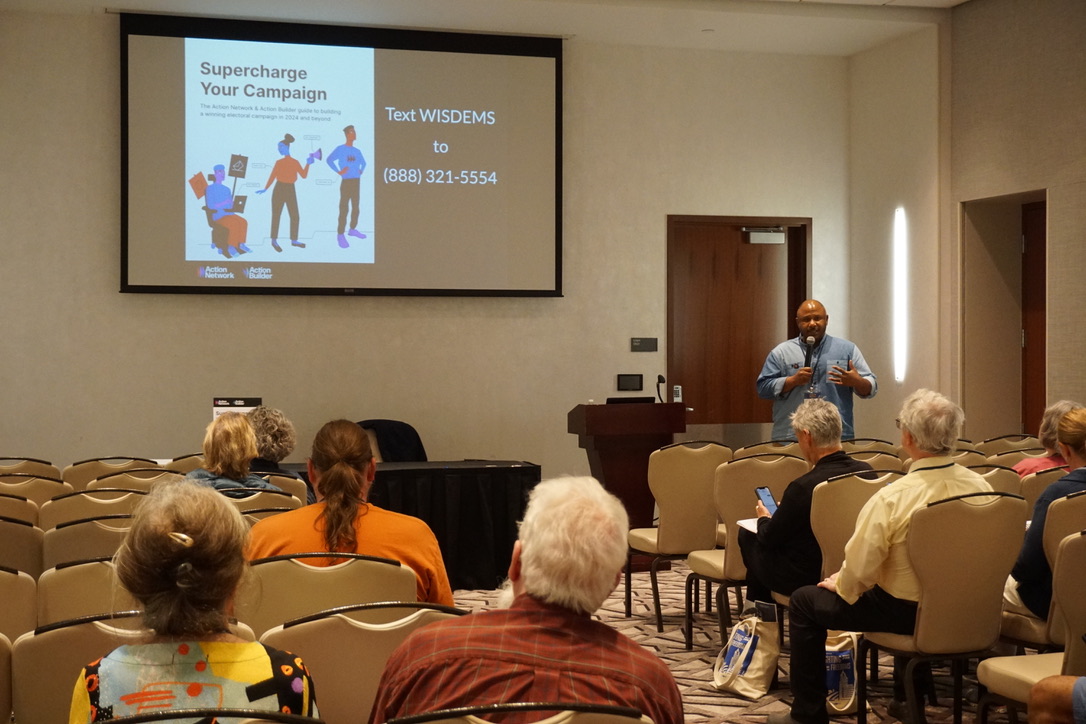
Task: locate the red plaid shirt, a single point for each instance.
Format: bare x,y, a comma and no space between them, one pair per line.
529,652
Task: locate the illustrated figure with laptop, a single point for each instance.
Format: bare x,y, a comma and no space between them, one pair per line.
784,555
220,202
814,365
349,163
285,173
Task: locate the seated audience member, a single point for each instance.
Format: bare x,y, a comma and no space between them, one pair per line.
545,646
1058,700
182,560
1029,587
1047,436
876,588
229,445
341,469
275,439
784,555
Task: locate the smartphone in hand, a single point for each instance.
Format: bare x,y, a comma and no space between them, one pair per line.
767,499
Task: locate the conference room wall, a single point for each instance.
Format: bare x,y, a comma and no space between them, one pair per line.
1018,106
649,132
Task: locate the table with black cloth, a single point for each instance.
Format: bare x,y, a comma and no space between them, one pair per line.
472,506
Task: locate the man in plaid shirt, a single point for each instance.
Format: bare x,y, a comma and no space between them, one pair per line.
545,646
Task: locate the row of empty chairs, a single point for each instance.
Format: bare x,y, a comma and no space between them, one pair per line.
80,473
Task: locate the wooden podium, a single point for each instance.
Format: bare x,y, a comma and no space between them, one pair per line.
619,439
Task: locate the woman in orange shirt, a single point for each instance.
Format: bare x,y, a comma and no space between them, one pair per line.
341,470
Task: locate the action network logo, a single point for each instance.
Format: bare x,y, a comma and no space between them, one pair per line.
214,272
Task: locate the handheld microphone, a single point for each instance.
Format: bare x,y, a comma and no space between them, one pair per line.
810,348
659,381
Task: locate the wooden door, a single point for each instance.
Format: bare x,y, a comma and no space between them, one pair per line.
1034,338
729,303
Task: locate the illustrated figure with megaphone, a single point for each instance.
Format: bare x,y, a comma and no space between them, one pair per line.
284,173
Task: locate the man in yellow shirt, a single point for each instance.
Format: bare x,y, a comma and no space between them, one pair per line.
876,588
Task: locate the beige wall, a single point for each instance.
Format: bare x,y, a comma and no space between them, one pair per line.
649,132
1018,106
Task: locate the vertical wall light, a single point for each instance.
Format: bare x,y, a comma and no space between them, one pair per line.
900,294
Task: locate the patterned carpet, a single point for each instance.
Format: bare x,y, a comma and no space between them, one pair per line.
693,669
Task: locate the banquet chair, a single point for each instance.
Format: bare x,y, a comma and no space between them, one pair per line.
81,539
1008,679
1035,483
966,458
78,474
347,653
261,498
835,506
288,484
961,550
81,588
1004,443
241,716
964,444
142,479
33,487
1065,516
879,460
19,593
18,507
868,444
734,497
1002,478
185,463
567,713
1010,458
283,588
394,441
46,662
21,546
775,447
255,515
680,477
85,504
29,466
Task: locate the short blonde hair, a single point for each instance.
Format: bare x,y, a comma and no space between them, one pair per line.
1072,430
229,446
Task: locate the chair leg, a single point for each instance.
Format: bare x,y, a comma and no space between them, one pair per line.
708,596
915,702
723,612
861,681
957,667
696,600
691,600
629,593
656,594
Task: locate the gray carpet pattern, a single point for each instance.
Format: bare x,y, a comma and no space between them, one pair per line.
693,670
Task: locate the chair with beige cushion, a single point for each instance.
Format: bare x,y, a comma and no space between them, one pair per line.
568,713
18,507
81,539
288,484
78,474
29,466
879,460
961,550
1004,443
186,463
283,588
1008,679
346,648
773,447
1010,458
966,458
21,546
1065,516
868,444
262,499
81,588
1000,477
19,593
142,479
33,487
835,506
734,497
1035,483
88,504
680,477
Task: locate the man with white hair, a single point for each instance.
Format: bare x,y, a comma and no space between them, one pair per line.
876,588
545,646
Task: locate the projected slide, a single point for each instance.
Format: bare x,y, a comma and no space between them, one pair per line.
277,140
409,164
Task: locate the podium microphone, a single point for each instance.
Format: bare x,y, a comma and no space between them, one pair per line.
659,381
810,348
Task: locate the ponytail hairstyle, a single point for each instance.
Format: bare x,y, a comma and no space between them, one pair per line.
341,456
183,558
